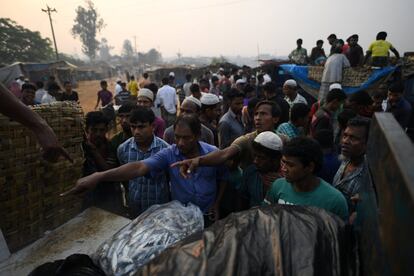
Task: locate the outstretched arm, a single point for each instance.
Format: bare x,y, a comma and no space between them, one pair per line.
397,55
214,158
122,173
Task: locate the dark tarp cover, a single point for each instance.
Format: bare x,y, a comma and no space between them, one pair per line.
269,240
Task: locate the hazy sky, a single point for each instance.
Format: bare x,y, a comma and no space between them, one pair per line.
223,27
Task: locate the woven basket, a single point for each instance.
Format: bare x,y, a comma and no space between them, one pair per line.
352,77
29,186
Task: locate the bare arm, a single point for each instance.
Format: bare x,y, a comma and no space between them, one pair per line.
13,108
122,173
97,103
397,55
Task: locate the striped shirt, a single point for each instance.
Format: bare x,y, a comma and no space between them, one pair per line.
144,191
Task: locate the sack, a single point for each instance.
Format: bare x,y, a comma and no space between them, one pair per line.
269,240
147,236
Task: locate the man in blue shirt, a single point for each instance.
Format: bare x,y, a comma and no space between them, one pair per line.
397,105
143,191
199,188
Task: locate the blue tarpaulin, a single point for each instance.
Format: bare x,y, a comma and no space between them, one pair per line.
300,74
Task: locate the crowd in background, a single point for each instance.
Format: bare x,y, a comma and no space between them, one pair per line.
230,140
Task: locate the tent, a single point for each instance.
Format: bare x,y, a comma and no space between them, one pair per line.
62,70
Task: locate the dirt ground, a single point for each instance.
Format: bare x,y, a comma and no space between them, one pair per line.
88,90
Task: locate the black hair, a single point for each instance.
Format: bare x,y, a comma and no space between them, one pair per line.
273,154
53,87
345,115
378,94
188,77
94,118
251,105
234,93
194,88
236,78
126,108
40,84
354,36
361,98
103,82
153,87
275,109
66,82
214,78
145,75
307,150
320,41
381,36
142,115
325,138
335,94
248,88
123,84
204,83
165,80
132,77
333,36
191,121
362,122
340,41
299,41
298,111
28,86
270,87
396,87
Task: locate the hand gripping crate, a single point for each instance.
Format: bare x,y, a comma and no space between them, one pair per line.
29,186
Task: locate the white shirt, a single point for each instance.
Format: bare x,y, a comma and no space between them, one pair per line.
186,88
47,98
39,95
167,97
333,68
299,99
20,82
118,89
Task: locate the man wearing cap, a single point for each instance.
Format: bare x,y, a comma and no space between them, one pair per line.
190,106
210,113
146,99
259,176
291,94
230,125
20,81
240,83
167,100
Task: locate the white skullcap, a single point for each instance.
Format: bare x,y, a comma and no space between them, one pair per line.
145,92
291,83
240,81
270,140
209,99
266,78
335,86
172,74
221,69
193,100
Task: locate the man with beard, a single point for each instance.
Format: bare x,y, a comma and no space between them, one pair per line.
353,171
200,188
210,113
301,159
28,94
143,191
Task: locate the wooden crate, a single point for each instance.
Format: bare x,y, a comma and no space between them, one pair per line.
29,186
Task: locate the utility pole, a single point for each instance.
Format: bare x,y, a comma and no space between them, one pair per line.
48,11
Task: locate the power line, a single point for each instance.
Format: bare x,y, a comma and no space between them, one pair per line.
48,11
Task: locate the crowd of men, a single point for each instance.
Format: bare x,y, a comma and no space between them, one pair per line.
229,141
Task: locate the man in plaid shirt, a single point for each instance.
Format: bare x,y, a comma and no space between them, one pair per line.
143,191
299,119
